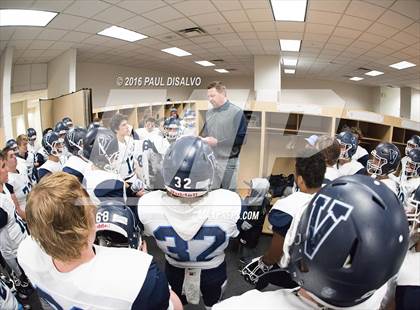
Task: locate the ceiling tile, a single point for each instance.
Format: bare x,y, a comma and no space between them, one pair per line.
392,44
51,34
227,5
405,38
61,45
26,33
40,44
86,8
369,37
92,26
242,27
395,20
64,21
408,8
75,36
354,23
136,23
179,24
13,4
346,33
336,6
364,10
248,35
96,39
142,6
340,40
6,33
382,30
215,29
191,8
114,15
326,18
52,53
259,15
289,35
19,44
414,29
363,44
264,26
319,28
235,16
268,35
48,5
163,14
290,26
316,37
32,53
154,30
208,19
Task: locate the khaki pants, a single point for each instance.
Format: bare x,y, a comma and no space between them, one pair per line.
226,174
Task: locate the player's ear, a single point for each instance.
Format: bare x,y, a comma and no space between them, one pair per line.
300,182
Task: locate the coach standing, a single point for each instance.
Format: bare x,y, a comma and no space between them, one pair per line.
224,130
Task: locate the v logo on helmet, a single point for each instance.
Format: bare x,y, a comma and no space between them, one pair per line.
103,144
326,215
392,156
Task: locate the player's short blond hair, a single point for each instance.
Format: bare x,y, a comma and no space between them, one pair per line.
22,138
60,216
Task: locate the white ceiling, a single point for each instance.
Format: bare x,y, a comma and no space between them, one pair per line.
339,36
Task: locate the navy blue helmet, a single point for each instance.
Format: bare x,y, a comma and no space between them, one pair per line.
412,209
386,158
348,245
188,167
74,140
31,133
67,121
413,143
116,226
100,146
12,144
348,143
61,128
412,167
189,118
52,143
173,128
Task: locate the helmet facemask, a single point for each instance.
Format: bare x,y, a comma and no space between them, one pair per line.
412,210
374,165
344,150
173,133
57,147
411,168
410,145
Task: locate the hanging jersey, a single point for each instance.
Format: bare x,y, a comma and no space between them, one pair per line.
49,167
13,232
7,299
331,173
102,185
351,168
407,188
21,187
287,299
193,233
96,284
76,166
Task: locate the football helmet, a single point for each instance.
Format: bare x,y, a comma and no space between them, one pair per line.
116,226
93,125
61,128
189,118
68,122
173,130
53,144
413,143
31,133
348,144
12,144
386,158
412,167
74,140
348,245
188,167
100,146
412,209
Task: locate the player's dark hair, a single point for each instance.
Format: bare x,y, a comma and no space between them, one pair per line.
310,165
116,121
4,151
330,149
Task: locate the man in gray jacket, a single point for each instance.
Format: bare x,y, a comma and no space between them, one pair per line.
225,131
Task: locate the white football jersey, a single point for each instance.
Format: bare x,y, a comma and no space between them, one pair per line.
404,161
7,299
96,284
125,161
49,167
29,169
21,166
21,185
14,232
101,184
189,131
409,273
76,166
288,299
331,173
360,152
392,185
193,233
407,188
350,168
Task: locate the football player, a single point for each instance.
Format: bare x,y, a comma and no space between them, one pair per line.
173,129
41,155
53,145
81,275
361,154
61,129
412,143
68,122
411,179
21,163
8,301
330,149
32,136
29,157
76,164
385,160
191,224
340,254
188,123
348,146
309,172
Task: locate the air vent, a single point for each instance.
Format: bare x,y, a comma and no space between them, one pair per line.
363,69
217,60
231,69
192,32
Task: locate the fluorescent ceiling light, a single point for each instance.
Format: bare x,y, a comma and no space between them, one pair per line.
356,78
290,45
374,73
25,17
289,61
176,51
122,34
402,65
221,70
205,63
289,71
289,10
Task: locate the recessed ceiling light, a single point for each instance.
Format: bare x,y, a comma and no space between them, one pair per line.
289,71
402,65
356,78
290,45
221,70
122,34
289,61
205,63
374,73
289,10
176,51
25,17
